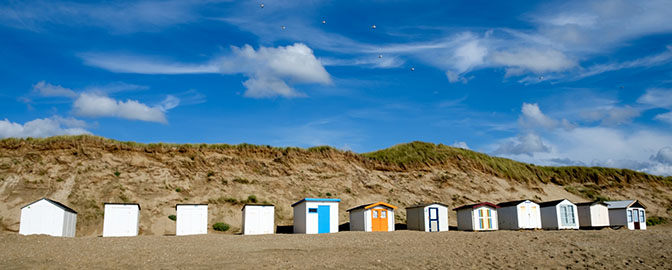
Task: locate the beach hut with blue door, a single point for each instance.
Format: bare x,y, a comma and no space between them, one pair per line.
431,217
316,215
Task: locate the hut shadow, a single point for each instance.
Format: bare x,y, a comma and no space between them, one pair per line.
400,226
452,228
345,227
284,229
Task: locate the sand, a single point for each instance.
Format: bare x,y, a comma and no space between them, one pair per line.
604,249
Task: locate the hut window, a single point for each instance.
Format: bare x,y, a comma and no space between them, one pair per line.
641,216
312,210
375,213
629,215
383,214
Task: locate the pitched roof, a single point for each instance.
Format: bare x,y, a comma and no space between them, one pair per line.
371,205
512,203
316,200
476,205
591,203
124,204
425,205
624,204
255,204
553,203
68,209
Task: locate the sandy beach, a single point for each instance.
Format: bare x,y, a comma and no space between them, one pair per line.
604,249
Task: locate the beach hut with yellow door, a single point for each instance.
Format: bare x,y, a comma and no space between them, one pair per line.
373,217
477,217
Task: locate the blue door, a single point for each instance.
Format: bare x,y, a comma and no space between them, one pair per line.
433,219
323,219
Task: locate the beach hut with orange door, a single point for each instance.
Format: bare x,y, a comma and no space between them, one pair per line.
373,217
477,217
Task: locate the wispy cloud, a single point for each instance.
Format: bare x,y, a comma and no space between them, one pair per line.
269,69
117,16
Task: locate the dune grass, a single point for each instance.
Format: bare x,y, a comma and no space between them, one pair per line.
403,156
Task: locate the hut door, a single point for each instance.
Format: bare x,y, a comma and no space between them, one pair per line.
635,218
433,219
378,220
323,219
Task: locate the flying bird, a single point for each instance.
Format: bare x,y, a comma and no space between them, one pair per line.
380,56
412,69
324,21
261,5
373,26
283,27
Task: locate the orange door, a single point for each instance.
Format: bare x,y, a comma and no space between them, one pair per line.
378,220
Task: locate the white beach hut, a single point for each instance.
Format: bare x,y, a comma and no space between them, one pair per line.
593,215
49,217
121,219
477,217
431,217
258,219
374,217
191,219
628,213
559,215
517,215
316,215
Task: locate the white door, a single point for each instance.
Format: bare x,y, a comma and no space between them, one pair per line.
525,220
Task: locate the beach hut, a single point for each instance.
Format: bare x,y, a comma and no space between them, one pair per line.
430,217
49,217
628,213
121,219
191,219
593,215
258,218
316,215
477,217
374,217
559,215
517,215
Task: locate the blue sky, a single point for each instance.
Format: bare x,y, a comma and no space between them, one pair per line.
552,83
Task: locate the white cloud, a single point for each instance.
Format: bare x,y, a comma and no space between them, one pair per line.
657,98
462,145
612,115
647,61
665,117
43,127
522,60
96,105
49,90
527,144
532,117
663,156
269,69
598,25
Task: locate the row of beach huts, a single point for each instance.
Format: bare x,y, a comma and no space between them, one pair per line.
320,215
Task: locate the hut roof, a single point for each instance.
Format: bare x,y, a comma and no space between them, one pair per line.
372,205
62,206
476,205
